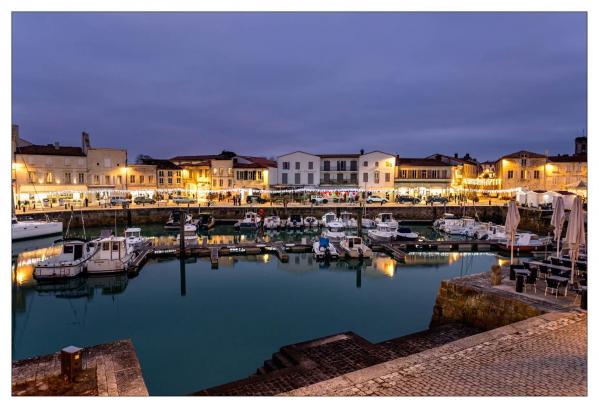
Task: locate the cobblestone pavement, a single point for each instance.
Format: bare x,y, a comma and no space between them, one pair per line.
541,356
110,370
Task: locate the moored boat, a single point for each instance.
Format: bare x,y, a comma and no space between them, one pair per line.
405,234
323,249
354,247
133,239
348,220
311,222
111,257
272,222
382,232
334,234
173,221
525,242
295,221
386,218
34,229
205,221
189,235
69,263
250,221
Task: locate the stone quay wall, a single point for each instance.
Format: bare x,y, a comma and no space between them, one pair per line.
531,220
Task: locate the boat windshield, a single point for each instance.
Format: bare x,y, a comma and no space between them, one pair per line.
330,217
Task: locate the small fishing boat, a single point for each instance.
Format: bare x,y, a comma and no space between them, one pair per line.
354,247
323,249
311,222
525,242
405,234
111,257
447,219
295,221
69,263
34,229
348,220
383,232
272,222
461,226
174,219
133,239
368,223
250,221
189,235
496,233
335,234
205,221
328,219
386,218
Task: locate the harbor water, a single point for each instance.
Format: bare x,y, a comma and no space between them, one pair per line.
195,327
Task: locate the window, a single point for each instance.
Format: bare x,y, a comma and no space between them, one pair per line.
96,179
444,173
160,180
107,179
422,174
388,163
353,165
49,177
260,175
141,179
81,178
178,180
297,178
522,174
365,164
229,182
376,164
413,174
327,165
170,180
105,246
310,178
107,162
339,178
169,173
178,173
115,246
354,178
510,174
285,165
297,165
150,179
403,174
119,179
365,176
221,171
523,162
327,177
284,178
214,182
132,178
340,165
310,165
67,178
220,182
387,177
160,173
537,174
376,177
32,177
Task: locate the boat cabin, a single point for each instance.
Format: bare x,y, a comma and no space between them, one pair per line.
112,248
353,241
133,233
72,251
386,217
329,217
384,227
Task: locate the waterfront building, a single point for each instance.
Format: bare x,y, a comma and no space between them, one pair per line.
339,170
567,173
106,170
298,169
169,176
523,169
141,180
423,176
47,175
377,172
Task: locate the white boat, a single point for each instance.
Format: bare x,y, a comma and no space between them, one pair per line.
295,221
34,229
311,222
323,249
383,232
174,219
368,223
133,239
405,234
111,257
460,227
204,221
496,233
330,220
272,222
355,248
386,218
347,219
479,230
189,235
447,219
334,234
69,263
526,242
251,220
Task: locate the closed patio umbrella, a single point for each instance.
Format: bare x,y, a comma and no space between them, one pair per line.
575,234
557,219
511,224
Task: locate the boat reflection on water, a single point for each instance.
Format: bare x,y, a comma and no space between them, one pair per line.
85,287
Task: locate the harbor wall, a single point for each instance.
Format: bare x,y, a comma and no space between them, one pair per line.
531,219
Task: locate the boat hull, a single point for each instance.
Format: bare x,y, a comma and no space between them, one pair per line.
35,230
100,266
58,272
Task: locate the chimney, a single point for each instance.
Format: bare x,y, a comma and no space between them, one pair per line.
85,142
361,151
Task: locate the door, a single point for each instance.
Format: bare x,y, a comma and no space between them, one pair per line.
78,252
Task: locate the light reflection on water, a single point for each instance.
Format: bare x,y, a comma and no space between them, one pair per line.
194,327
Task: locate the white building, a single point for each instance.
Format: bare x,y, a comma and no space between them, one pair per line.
298,169
377,170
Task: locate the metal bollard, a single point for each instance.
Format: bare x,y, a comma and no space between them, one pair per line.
71,362
519,283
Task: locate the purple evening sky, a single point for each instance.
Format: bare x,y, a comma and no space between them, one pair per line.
414,84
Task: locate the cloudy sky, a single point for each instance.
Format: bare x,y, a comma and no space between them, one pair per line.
270,83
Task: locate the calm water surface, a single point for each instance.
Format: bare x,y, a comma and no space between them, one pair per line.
195,327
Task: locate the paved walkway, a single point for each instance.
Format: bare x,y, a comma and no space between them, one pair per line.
541,356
